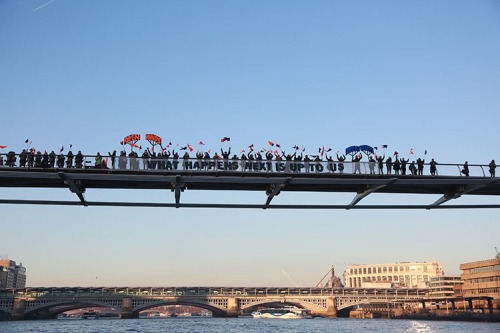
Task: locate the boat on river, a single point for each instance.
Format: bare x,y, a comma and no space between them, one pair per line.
290,312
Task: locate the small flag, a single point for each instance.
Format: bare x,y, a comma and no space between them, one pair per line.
134,145
425,152
243,151
225,139
201,143
189,147
27,140
3,147
396,153
61,150
270,143
184,148
384,146
296,147
277,145
303,148
411,151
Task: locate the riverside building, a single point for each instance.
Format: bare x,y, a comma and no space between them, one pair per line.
403,274
444,286
12,275
482,278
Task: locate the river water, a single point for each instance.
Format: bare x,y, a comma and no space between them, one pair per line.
243,325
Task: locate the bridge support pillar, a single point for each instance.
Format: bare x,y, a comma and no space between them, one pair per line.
331,308
18,309
233,309
127,307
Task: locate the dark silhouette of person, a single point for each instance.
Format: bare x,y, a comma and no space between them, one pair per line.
465,170
113,158
380,161
78,160
420,166
23,158
388,165
413,168
433,167
341,160
396,166
69,159
492,166
225,154
403,165
331,166
52,159
371,165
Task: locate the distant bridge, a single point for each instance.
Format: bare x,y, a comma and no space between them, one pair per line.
46,303
269,177
39,303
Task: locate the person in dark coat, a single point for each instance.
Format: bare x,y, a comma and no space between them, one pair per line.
380,162
388,165
492,166
433,167
420,166
465,170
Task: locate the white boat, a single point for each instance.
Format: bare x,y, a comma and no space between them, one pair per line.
90,315
282,313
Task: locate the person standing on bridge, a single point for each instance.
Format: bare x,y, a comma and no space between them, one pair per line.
420,166
371,165
465,170
388,165
492,166
98,161
433,167
341,160
380,161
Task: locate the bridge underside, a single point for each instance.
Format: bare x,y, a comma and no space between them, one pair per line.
271,184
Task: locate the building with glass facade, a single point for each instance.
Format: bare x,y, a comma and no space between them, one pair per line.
12,275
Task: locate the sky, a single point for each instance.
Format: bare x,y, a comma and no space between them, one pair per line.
422,75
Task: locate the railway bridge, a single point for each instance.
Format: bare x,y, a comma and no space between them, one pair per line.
44,303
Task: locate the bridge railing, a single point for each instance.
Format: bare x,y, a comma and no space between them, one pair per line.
219,165
100,292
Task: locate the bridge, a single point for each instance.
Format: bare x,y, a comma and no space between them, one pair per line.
44,303
47,303
268,177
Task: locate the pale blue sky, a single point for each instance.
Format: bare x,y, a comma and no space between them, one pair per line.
409,74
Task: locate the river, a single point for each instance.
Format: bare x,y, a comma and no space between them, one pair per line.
243,325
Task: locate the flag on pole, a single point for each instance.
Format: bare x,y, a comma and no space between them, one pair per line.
134,145
61,150
3,147
411,151
225,139
270,143
189,147
201,143
384,146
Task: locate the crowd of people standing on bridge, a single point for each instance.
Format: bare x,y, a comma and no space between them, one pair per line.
151,160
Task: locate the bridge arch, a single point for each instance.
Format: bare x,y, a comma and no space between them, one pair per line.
216,311
314,308
52,309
